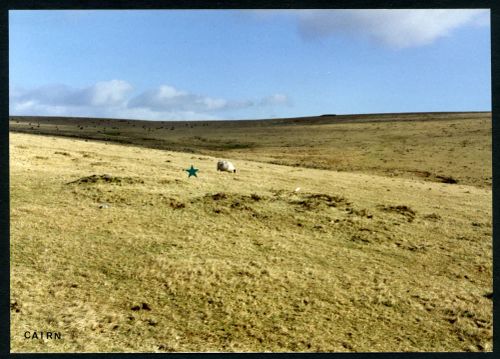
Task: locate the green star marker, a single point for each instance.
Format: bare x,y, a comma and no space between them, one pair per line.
192,171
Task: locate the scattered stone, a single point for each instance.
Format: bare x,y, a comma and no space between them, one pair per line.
104,206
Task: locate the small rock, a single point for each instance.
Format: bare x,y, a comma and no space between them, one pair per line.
103,205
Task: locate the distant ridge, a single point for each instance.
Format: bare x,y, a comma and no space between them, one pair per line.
324,118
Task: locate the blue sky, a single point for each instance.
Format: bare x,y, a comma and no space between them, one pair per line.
218,64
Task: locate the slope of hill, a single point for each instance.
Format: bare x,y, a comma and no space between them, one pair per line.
437,147
118,250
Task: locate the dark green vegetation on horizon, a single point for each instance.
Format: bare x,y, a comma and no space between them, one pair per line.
437,147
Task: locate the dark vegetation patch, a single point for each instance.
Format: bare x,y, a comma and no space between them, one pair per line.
359,212
412,246
15,306
105,178
432,216
62,153
423,174
99,163
361,238
175,204
255,197
218,196
316,200
111,133
220,144
403,210
447,179
143,306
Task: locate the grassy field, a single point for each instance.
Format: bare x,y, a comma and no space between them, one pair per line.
429,146
117,249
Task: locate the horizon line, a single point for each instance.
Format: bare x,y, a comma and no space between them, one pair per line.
261,119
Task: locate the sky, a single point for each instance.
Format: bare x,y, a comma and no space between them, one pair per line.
247,64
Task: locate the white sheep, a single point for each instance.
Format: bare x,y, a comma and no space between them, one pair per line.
226,166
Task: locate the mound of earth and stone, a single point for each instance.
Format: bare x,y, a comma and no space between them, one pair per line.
105,178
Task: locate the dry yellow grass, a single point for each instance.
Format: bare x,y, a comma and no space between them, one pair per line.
240,262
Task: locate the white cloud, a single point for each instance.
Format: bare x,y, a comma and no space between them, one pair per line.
395,28
112,99
275,100
168,98
108,93
148,114
35,108
105,93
